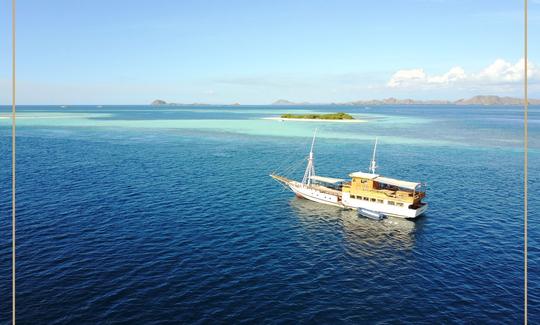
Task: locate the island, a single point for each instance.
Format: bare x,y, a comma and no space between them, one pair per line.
330,117
158,102
285,102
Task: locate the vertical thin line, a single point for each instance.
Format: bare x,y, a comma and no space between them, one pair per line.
525,163
13,112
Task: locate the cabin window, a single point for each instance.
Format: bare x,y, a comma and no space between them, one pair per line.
363,181
391,203
373,200
379,201
366,198
399,204
353,196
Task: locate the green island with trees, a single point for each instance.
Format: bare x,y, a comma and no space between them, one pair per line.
332,116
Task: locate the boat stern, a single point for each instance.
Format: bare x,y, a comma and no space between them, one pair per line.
419,211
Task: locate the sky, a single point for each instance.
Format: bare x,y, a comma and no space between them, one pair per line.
255,52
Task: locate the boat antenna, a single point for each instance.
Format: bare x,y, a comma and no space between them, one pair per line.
310,168
373,166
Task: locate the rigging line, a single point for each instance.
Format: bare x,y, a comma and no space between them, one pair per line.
277,169
294,167
286,170
285,163
13,126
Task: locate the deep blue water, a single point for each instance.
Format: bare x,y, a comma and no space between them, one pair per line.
124,218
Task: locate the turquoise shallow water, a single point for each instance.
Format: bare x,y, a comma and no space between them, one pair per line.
150,214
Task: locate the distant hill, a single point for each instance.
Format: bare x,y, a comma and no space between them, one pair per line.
395,101
159,102
476,100
288,102
495,100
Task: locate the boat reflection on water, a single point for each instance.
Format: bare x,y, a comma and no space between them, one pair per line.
362,236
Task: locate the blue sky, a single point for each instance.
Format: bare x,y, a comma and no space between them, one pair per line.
255,52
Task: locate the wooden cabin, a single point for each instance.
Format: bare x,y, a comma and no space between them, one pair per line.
375,188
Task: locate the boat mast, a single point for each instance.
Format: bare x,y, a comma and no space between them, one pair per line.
373,166
310,168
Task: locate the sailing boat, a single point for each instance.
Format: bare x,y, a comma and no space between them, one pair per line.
371,194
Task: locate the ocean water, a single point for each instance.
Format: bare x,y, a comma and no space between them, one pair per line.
147,215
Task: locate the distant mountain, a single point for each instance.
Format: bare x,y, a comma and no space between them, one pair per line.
395,101
288,102
284,102
476,100
159,102
495,100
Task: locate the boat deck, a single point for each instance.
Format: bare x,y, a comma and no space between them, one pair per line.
319,188
326,190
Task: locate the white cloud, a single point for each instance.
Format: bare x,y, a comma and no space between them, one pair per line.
453,75
500,72
405,77
503,71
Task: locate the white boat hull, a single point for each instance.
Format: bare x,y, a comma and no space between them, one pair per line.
343,200
314,195
384,207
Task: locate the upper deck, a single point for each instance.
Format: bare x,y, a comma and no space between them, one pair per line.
375,186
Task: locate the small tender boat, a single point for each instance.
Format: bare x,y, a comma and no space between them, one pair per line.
370,214
371,194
